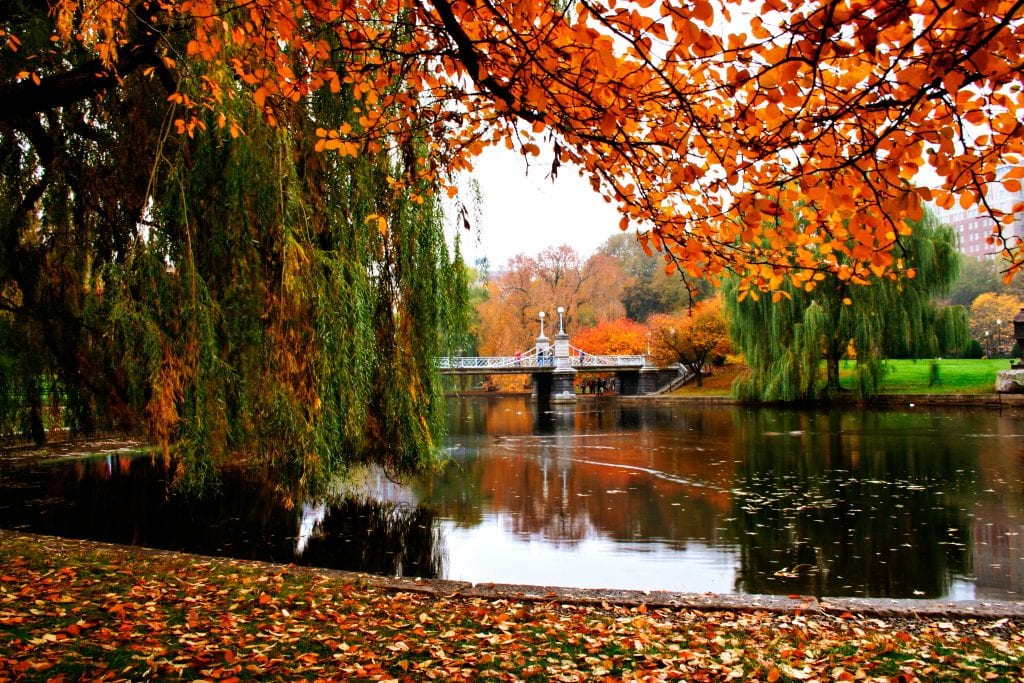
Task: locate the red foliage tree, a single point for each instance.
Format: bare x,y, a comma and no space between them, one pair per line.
613,337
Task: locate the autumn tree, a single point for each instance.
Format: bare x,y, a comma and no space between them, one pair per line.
692,337
613,337
228,294
992,322
589,289
698,120
786,338
652,289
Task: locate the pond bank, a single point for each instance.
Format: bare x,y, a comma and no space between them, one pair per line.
90,610
441,588
881,401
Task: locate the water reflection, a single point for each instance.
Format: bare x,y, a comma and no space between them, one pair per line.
608,494
125,499
900,504
862,503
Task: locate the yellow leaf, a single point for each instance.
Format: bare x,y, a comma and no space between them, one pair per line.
382,223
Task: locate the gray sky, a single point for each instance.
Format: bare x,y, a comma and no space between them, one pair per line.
523,211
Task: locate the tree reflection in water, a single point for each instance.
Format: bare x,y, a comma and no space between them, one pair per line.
125,499
849,504
616,495
901,504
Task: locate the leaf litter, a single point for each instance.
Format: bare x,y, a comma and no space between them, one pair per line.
74,611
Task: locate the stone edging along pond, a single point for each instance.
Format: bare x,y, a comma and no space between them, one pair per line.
445,589
992,400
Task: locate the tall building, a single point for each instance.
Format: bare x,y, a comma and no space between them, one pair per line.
973,227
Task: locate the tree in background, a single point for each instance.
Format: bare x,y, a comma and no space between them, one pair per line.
620,337
588,289
786,337
692,338
651,289
978,276
992,322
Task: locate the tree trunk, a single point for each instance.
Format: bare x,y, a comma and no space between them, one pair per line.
695,368
35,414
832,359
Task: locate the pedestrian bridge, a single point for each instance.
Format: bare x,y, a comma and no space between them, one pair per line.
538,360
554,370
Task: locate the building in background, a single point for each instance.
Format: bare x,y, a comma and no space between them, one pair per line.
973,227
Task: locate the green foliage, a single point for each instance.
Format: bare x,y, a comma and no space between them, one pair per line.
978,276
784,341
651,289
973,350
238,298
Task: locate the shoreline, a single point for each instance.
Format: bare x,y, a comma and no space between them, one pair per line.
992,400
74,610
440,588
446,589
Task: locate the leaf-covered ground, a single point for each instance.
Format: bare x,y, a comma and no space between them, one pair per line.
75,611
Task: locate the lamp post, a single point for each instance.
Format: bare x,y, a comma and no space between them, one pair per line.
561,330
998,325
988,344
541,316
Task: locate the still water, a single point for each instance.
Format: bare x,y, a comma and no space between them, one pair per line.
914,503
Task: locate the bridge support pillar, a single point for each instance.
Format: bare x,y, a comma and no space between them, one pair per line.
563,389
648,380
542,382
563,379
634,382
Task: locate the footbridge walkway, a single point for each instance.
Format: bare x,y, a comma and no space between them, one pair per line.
554,367
534,360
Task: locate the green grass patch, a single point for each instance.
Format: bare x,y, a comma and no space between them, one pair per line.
903,376
957,375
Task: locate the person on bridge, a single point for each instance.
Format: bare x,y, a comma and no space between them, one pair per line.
519,357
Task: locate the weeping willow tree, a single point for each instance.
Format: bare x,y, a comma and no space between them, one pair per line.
236,297
786,341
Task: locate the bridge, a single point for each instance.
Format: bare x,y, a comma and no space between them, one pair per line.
534,360
554,367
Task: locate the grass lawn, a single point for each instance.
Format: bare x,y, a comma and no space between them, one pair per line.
80,611
959,376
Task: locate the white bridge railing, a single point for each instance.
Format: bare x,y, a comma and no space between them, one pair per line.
579,358
532,359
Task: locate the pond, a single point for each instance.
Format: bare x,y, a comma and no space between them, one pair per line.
920,502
